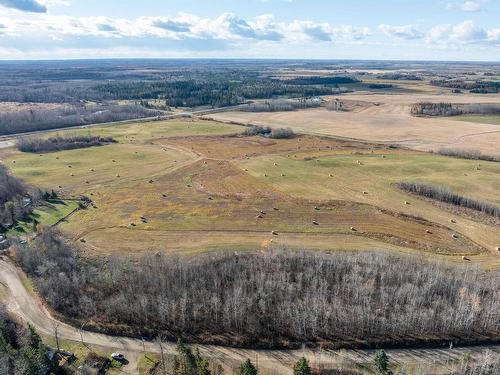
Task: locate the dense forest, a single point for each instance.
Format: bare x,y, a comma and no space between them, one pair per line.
275,298
180,86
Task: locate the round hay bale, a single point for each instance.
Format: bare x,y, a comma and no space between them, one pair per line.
453,221
315,222
316,208
276,209
465,258
498,248
331,175
274,233
275,164
118,176
454,235
365,192
406,202
428,231
353,229
283,175
72,175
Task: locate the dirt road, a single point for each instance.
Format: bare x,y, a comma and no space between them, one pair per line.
29,308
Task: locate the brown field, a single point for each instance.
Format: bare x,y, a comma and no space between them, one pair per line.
184,186
386,118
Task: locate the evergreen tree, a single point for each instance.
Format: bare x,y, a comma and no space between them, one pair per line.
185,362
381,361
302,367
246,368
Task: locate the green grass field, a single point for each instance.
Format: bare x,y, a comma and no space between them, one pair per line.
46,214
188,187
492,119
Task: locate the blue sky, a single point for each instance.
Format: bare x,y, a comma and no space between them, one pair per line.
322,29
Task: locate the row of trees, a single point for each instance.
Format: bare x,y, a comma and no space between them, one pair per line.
443,194
449,109
68,116
36,144
267,299
467,154
280,105
266,131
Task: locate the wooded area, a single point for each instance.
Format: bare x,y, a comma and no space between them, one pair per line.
276,298
71,115
34,144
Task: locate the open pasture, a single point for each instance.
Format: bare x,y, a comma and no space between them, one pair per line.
185,187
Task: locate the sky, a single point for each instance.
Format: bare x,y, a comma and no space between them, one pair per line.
450,30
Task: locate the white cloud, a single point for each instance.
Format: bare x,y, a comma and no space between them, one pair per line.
463,33
24,5
227,27
467,6
406,32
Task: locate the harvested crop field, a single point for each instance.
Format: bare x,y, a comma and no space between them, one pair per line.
386,118
182,186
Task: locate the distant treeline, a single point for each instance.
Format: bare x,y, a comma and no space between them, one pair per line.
273,298
61,143
478,87
443,194
68,116
380,86
319,80
208,91
280,105
400,77
449,109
